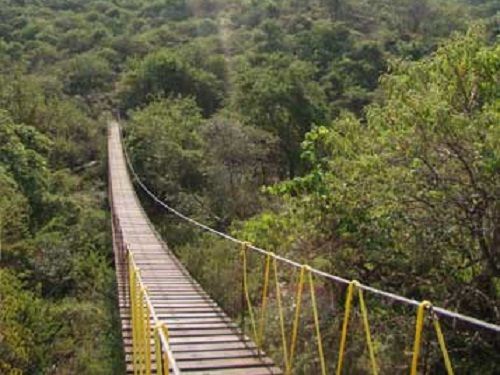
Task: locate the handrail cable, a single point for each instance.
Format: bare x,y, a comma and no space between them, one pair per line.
395,297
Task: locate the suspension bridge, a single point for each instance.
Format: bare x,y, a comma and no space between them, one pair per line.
170,325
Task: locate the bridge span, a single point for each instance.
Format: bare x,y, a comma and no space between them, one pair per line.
169,323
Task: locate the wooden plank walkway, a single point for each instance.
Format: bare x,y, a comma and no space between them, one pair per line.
203,338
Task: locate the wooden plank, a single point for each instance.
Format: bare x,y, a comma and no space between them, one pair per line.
209,364
245,371
216,354
191,347
192,333
203,338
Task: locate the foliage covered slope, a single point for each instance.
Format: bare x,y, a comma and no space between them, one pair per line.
334,132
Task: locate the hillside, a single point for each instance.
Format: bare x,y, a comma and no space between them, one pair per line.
358,136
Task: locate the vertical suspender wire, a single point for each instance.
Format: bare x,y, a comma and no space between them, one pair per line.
138,307
142,322
137,312
264,300
158,351
366,323
281,316
419,325
244,249
353,287
131,307
298,303
137,319
132,314
147,334
243,300
442,343
166,363
316,322
343,337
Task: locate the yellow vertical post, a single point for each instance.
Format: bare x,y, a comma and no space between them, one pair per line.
133,317
244,248
316,322
131,304
140,322
419,325
137,324
345,324
158,351
371,350
166,363
281,316
442,344
140,325
264,300
298,303
138,338
147,333
353,287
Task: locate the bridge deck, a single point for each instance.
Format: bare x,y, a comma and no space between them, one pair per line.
203,338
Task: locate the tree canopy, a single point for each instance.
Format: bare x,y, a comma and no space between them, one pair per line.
358,136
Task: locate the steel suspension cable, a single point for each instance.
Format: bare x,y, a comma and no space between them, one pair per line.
392,296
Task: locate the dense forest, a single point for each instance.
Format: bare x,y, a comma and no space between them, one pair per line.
359,136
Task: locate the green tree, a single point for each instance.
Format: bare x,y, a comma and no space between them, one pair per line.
165,73
19,146
410,195
166,147
14,211
238,159
279,95
351,82
87,74
323,42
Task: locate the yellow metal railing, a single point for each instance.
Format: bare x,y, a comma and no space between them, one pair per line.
147,330
289,347
149,333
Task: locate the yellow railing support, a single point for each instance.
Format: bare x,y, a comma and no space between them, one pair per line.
419,326
147,333
369,342
352,288
162,361
295,327
141,317
166,362
133,317
244,248
264,300
140,328
140,322
281,316
343,336
298,303
158,351
442,343
316,322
